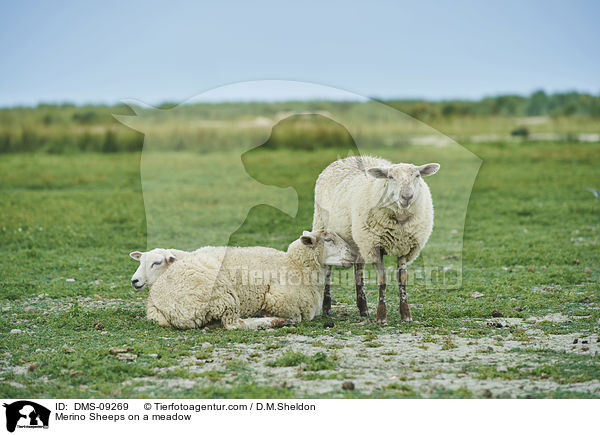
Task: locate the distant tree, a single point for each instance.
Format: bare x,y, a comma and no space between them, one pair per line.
47,119
30,140
87,117
110,144
5,145
538,104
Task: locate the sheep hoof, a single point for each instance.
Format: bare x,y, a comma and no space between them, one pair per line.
362,307
405,313
279,322
364,313
381,313
326,305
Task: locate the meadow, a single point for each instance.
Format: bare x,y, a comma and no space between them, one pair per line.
203,127
524,323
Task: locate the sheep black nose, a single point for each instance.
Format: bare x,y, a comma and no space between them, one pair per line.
134,281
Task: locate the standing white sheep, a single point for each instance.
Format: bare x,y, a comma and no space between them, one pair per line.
384,209
229,285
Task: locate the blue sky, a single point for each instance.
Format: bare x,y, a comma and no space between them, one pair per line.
88,52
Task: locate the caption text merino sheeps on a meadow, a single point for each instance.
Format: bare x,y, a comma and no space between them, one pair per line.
159,411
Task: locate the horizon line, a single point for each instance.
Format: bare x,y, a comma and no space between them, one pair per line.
285,99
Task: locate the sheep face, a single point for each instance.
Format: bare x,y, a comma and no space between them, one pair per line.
404,182
333,250
152,265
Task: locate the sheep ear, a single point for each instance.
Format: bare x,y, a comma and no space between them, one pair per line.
136,255
171,258
378,172
308,238
429,169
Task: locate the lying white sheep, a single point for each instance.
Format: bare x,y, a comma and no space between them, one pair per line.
229,285
382,208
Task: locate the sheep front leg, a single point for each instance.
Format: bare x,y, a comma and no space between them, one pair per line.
361,298
381,285
404,307
259,323
327,292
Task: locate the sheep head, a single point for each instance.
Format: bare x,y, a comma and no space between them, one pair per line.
152,265
330,247
404,182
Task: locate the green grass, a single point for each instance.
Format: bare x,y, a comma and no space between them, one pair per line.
316,362
78,216
562,367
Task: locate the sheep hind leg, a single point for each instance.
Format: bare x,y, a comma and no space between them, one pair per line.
327,292
361,298
255,323
404,308
381,285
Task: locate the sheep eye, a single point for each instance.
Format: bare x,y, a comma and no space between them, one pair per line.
156,263
329,240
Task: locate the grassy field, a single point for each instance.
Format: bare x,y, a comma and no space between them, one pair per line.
524,323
